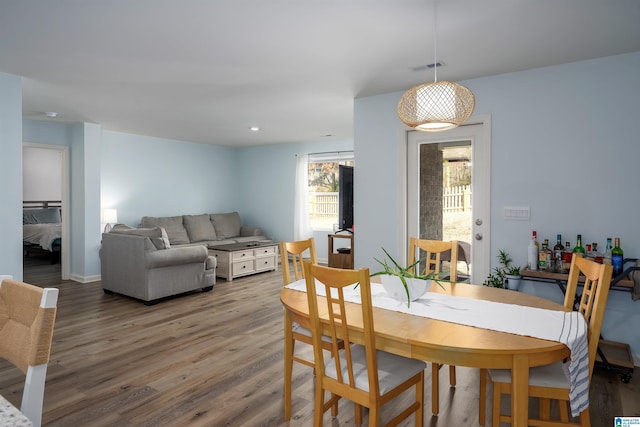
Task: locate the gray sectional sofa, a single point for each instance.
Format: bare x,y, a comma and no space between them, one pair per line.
205,229
168,256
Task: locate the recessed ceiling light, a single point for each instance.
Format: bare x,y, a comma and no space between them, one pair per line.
51,114
254,128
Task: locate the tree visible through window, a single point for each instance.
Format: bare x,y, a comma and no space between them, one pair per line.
323,188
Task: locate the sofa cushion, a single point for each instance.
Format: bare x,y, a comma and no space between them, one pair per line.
227,225
199,227
157,235
172,224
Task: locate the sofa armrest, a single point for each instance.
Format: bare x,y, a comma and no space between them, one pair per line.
175,256
250,231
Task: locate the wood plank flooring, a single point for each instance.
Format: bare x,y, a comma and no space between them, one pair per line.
211,359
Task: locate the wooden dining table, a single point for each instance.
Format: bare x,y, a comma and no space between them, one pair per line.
450,343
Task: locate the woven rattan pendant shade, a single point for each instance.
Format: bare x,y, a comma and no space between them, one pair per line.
436,106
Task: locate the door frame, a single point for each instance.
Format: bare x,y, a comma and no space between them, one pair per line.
481,195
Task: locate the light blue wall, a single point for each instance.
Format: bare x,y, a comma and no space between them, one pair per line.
85,201
41,132
11,175
151,176
266,176
564,143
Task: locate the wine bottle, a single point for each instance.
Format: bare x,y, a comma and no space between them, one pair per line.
578,248
532,253
567,254
616,258
606,257
557,254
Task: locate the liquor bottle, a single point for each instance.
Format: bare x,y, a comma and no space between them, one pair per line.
532,253
606,257
579,249
567,254
616,258
542,256
534,236
595,255
557,252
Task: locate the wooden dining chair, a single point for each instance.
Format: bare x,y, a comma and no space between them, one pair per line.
292,255
27,317
550,382
432,252
360,373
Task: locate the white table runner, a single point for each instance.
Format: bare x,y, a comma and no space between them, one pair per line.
568,328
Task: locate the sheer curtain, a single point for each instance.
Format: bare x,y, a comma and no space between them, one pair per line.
301,226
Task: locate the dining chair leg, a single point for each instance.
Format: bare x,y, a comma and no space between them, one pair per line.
435,387
495,411
358,409
482,404
289,348
318,411
420,401
452,375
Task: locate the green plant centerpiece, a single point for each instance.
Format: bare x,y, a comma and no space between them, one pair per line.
506,274
415,284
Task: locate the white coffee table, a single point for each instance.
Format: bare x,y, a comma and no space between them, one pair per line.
241,259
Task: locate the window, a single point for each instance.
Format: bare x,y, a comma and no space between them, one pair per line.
323,188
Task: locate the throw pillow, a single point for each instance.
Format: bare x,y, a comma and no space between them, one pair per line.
173,226
199,227
227,225
157,235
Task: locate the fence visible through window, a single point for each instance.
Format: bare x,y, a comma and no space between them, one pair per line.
323,206
456,198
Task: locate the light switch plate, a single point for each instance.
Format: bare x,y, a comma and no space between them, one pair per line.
516,213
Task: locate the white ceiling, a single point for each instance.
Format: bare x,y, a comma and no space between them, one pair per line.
207,70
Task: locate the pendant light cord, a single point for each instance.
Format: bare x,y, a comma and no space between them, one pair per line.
435,43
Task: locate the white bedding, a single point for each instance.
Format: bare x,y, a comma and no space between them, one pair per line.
41,234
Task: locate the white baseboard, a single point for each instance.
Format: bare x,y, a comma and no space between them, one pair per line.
85,279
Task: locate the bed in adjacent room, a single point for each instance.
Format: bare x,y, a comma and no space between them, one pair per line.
42,227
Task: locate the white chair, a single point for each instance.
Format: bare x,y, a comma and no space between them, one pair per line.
27,317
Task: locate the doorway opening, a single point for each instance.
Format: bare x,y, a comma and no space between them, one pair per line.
45,189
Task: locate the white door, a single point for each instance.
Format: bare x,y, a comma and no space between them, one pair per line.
458,220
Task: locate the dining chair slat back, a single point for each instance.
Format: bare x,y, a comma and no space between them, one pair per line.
433,251
352,372
27,318
549,382
292,254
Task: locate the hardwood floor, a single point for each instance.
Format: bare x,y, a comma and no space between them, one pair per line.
211,359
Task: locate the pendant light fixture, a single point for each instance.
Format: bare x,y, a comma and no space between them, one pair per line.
436,106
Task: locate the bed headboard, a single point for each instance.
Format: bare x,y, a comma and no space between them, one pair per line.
41,204
41,212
